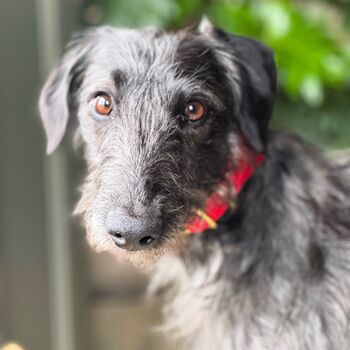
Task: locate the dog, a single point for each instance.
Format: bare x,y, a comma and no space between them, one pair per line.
245,230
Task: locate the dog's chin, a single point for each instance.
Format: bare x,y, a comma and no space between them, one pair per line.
144,259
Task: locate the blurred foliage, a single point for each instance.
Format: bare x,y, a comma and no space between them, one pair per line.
310,38
311,54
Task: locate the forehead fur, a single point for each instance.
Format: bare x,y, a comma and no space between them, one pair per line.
121,53
131,51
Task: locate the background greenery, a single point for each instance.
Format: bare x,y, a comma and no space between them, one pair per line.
311,41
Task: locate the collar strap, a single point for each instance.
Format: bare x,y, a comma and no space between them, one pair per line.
218,204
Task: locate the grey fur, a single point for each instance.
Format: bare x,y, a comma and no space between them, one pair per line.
275,274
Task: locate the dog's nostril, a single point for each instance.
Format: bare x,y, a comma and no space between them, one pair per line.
146,240
118,238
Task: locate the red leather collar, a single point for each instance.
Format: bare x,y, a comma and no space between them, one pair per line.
218,204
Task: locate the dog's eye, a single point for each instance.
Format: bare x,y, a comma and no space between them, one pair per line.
194,111
103,105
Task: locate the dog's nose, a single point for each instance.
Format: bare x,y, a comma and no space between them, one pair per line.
133,232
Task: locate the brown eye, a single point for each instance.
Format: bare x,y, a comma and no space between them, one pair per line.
103,105
194,111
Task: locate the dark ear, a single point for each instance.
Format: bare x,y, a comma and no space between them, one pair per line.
55,95
251,69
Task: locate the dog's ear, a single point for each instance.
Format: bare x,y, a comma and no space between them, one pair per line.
251,68
256,84
55,95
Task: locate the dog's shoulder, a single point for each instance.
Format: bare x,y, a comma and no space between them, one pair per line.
288,147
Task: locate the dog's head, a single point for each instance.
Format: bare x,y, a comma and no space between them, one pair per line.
161,114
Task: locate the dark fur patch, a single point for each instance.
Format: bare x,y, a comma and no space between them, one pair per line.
257,72
197,61
76,74
119,78
317,260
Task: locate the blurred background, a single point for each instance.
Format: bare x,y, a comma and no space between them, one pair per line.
54,292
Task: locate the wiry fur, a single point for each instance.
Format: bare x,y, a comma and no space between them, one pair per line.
274,274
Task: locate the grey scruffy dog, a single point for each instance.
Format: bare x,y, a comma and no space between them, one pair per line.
162,118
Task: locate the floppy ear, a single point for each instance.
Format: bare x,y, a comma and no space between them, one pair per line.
55,95
251,68
257,83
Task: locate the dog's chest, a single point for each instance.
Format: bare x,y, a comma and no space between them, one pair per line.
200,309
204,309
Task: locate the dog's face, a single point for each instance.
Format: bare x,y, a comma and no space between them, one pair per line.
161,114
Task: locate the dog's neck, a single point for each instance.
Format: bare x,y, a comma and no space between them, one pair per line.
223,198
